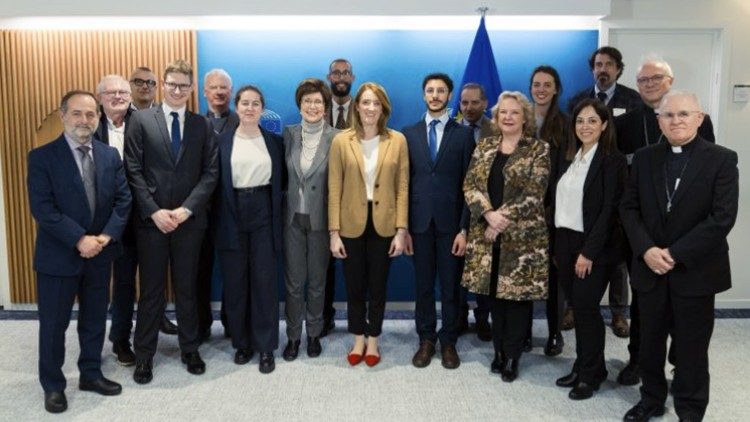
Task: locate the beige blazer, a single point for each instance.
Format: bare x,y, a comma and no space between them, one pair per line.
347,197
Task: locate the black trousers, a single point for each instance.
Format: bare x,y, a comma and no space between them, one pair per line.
250,285
585,294
690,321
157,253
366,270
124,270
205,278
554,306
510,318
329,312
433,260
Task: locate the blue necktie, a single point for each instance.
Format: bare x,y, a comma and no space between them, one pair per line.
432,139
175,134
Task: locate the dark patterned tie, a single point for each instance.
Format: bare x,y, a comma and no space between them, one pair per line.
340,120
474,131
432,139
602,96
89,176
176,138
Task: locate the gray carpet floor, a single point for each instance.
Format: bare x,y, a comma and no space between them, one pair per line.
328,389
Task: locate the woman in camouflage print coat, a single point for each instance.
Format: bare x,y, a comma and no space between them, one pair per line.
518,231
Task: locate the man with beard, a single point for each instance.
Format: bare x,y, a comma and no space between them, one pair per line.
217,89
80,200
439,154
340,78
607,66
473,106
635,130
143,87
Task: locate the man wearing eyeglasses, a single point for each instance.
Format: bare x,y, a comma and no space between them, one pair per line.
679,205
143,87
340,78
637,129
439,154
172,165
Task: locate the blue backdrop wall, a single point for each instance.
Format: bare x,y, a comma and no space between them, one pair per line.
398,60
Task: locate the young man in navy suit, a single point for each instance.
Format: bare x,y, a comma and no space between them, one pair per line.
439,154
80,200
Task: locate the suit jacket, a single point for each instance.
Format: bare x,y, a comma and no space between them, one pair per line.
160,182
230,124
59,206
335,109
314,183
436,189
347,195
602,191
624,97
632,126
704,209
225,210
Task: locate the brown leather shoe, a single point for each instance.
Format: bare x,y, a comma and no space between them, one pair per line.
450,359
424,355
568,321
620,326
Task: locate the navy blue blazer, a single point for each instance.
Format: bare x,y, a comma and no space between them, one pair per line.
225,212
436,189
60,208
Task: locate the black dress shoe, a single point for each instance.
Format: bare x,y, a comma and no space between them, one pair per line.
243,356
55,402
497,364
314,349
143,371
484,330
582,391
101,386
554,345
167,326
291,350
509,371
642,413
195,364
567,381
527,346
328,325
125,355
629,375
267,364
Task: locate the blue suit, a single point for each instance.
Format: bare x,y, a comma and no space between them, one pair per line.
59,206
437,213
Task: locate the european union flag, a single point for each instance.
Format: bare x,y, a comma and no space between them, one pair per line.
481,69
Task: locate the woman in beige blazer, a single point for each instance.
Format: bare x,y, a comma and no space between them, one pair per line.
368,183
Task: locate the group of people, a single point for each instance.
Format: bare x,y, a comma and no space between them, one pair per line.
527,205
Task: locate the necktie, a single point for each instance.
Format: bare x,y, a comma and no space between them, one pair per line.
176,138
340,120
474,131
88,176
432,139
602,96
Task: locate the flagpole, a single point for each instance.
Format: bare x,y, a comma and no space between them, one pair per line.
482,10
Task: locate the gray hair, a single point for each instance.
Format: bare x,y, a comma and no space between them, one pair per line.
108,78
654,59
217,72
679,93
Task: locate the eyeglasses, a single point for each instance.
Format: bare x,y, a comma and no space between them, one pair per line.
340,73
681,115
432,91
173,86
140,82
656,79
308,102
119,92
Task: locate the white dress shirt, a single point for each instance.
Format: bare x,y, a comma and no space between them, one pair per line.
180,114
116,136
569,195
439,128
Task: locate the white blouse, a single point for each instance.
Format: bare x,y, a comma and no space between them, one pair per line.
569,195
370,155
251,162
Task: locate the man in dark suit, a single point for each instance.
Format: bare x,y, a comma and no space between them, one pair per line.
473,106
80,200
606,65
637,129
679,205
439,154
171,159
340,77
217,89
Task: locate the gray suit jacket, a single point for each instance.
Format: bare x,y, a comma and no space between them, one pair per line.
314,184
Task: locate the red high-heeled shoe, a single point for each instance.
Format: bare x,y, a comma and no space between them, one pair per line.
372,360
355,358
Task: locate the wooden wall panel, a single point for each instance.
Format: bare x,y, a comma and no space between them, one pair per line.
36,69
